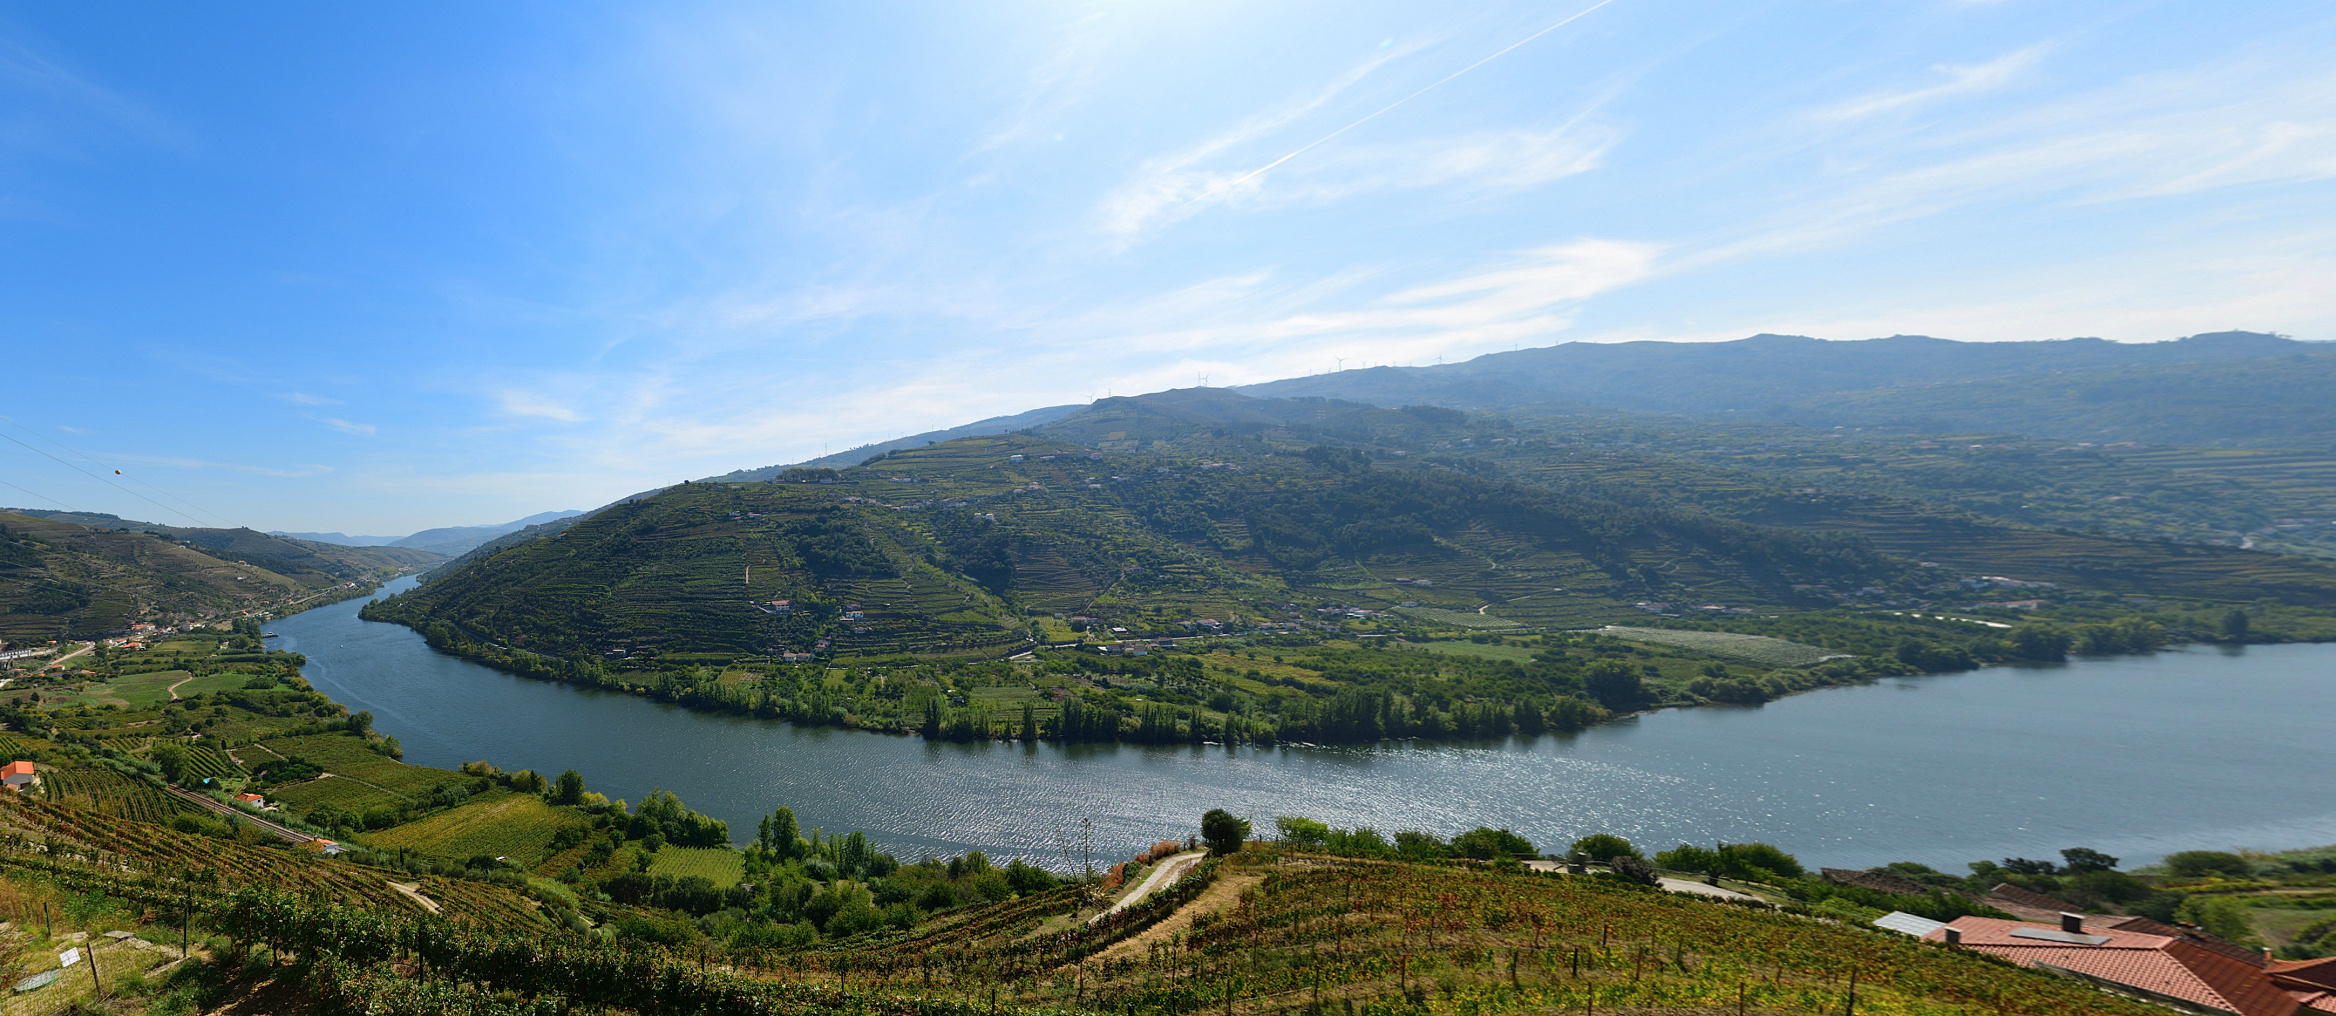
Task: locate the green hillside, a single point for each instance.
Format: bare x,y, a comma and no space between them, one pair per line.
956,544
62,580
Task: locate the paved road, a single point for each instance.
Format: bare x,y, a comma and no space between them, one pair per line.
1167,871
289,834
1677,885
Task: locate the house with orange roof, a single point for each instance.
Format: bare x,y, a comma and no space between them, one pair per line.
2312,982
19,775
2166,969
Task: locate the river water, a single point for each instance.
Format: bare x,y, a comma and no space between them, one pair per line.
2137,756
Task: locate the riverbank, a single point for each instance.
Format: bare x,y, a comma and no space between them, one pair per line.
1326,689
1828,775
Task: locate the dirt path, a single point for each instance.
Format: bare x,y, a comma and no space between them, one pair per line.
1165,872
174,688
1220,896
413,891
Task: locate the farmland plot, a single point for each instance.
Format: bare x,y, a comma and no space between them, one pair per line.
1751,648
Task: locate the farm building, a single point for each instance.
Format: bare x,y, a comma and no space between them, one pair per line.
2171,969
19,775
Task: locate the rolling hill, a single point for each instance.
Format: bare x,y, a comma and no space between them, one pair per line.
952,545
63,580
2240,389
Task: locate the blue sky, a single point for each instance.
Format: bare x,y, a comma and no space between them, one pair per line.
375,269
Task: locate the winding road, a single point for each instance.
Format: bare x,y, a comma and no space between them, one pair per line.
1166,872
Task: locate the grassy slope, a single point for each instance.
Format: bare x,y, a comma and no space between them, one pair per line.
518,826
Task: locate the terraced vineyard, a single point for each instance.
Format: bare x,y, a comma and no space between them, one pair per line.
1457,618
209,763
721,866
107,792
143,848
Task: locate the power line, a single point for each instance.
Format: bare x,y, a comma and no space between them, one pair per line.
86,457
44,497
198,522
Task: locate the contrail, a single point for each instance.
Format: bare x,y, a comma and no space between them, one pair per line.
1584,12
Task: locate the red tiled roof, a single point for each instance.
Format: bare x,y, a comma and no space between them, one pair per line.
2324,1001
18,768
2191,935
2319,973
2157,964
2018,902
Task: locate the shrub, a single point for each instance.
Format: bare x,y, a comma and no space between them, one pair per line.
1301,832
1632,868
1758,862
1417,845
1605,847
1486,844
2201,863
1688,857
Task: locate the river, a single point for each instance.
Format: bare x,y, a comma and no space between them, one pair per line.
2203,748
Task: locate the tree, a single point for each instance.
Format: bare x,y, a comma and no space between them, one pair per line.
1688,857
2235,624
2225,917
2038,642
1298,831
570,789
1605,847
1615,684
1491,844
2084,859
781,835
1223,832
2201,863
1415,844
172,760
1758,862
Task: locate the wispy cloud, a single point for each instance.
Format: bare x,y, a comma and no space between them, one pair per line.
1173,187
522,402
2260,117
346,427
305,399
1961,80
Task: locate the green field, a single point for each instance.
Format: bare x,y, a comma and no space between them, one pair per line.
722,866
361,778
518,826
1752,648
